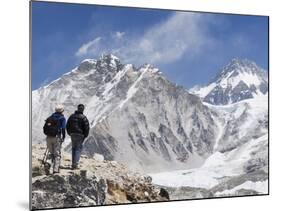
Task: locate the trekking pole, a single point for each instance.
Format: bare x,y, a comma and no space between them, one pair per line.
45,156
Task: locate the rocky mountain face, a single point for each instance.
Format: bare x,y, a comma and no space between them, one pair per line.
239,98
239,163
98,182
239,80
206,142
137,116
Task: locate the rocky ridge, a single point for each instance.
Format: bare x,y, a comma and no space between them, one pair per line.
97,182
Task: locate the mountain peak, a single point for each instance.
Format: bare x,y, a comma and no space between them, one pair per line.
237,65
103,57
106,62
109,56
240,79
243,62
109,62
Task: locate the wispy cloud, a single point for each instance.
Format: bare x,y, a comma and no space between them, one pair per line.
89,47
182,33
118,35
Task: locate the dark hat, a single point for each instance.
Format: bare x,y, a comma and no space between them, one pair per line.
80,107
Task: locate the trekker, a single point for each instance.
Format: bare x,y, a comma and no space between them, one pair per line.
54,128
77,127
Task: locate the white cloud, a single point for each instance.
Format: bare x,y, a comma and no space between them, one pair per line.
89,47
118,35
182,34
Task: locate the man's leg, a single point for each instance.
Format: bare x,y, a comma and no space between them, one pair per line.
50,154
79,150
57,154
73,153
77,141
74,148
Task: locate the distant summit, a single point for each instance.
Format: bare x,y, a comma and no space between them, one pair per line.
239,80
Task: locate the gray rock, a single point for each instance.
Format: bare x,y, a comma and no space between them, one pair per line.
62,191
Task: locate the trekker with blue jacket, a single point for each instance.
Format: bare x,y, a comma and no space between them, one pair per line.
77,127
54,128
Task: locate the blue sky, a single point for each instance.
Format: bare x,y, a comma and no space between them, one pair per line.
189,48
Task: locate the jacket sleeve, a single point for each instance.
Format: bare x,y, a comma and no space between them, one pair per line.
68,125
63,133
63,122
86,126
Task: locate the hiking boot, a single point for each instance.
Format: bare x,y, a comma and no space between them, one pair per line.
75,167
47,168
56,172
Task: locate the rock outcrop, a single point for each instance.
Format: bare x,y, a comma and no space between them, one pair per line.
97,182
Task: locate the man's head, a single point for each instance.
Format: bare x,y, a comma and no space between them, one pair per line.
59,108
81,108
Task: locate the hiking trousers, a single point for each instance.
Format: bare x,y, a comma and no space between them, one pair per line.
77,146
54,147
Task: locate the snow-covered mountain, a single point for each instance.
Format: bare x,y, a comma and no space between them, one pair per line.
215,143
238,98
239,80
239,164
137,116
